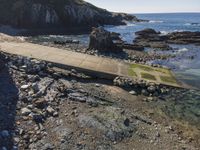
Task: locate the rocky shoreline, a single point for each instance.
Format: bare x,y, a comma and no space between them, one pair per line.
153,39
44,108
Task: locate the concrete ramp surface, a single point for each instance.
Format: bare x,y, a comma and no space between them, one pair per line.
98,66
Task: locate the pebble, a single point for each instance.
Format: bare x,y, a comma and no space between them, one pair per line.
24,87
133,93
50,110
25,111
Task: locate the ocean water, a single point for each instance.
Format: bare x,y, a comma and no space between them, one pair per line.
165,23
186,64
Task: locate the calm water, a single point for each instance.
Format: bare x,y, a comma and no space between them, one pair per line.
185,68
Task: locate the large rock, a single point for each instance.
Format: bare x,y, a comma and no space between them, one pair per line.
151,38
102,40
63,13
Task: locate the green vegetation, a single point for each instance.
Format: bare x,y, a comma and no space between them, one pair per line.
131,72
169,79
162,70
142,67
152,73
148,76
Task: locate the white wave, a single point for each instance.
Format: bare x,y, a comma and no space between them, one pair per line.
178,30
183,50
130,25
192,24
164,32
155,21
187,24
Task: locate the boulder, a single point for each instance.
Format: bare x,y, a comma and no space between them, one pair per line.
101,40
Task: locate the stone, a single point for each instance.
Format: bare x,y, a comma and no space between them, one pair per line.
24,87
25,111
50,110
38,118
133,93
77,97
92,102
151,89
144,92
35,87
40,103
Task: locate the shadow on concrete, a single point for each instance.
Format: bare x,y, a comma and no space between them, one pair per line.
8,102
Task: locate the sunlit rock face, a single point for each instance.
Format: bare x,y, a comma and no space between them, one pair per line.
54,13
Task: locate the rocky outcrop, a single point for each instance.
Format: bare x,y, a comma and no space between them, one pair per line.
101,40
153,39
185,37
36,14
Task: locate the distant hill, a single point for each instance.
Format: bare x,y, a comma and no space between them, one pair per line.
35,14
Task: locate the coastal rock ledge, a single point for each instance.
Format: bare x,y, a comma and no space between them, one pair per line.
40,14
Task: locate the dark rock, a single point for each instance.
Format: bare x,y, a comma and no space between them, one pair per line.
38,118
115,36
185,37
40,103
151,38
66,42
146,32
101,40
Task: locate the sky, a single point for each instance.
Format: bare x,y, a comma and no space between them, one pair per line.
148,6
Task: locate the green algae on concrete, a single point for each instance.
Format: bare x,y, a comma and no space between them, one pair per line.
153,74
169,79
148,76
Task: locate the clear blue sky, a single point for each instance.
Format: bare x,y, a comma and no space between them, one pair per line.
148,6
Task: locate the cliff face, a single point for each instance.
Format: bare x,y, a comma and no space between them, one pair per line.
57,13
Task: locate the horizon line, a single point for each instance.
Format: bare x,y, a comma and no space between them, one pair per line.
163,12
175,12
